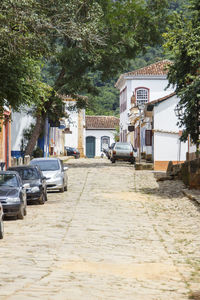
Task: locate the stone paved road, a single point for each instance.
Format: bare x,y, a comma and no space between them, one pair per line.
115,235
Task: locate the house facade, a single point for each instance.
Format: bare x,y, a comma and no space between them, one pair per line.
75,126
136,89
166,145
19,122
100,134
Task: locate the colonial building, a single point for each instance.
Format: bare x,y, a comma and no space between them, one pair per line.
100,134
136,89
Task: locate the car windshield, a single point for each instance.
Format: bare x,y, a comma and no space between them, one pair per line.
28,174
8,180
47,165
123,147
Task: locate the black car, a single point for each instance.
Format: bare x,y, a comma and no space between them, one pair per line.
37,192
1,222
12,194
70,151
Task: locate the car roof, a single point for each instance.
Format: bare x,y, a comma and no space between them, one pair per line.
45,158
23,167
123,143
8,172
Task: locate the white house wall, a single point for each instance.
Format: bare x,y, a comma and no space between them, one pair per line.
20,122
71,139
167,146
157,89
98,134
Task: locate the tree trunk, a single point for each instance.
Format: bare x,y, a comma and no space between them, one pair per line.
35,135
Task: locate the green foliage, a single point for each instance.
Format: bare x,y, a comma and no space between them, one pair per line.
183,41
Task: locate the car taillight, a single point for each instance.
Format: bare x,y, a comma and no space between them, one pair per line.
114,152
131,153
74,152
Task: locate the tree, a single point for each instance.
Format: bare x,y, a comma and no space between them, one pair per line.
79,36
183,40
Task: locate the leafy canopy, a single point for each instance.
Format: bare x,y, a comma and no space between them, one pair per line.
183,41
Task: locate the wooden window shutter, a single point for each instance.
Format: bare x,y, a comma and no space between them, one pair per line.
148,137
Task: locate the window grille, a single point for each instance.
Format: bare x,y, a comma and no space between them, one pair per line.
142,96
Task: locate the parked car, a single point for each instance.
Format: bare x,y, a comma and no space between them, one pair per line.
70,151
37,192
1,222
54,171
122,151
13,194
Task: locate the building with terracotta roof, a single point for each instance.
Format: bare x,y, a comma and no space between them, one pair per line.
100,133
137,88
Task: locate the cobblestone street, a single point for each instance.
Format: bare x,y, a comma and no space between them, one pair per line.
116,234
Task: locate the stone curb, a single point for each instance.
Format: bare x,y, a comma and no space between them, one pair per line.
193,197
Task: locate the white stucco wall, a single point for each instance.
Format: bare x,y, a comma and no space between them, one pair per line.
20,121
71,139
167,145
157,89
98,134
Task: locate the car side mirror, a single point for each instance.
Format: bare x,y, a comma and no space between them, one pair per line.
65,168
26,185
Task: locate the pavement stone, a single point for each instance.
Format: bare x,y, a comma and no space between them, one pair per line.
115,234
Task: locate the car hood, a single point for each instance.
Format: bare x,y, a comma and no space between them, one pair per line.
9,192
50,174
33,182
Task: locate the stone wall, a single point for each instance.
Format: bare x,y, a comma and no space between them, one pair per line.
188,172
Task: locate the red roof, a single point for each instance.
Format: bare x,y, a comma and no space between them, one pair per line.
101,122
161,99
157,69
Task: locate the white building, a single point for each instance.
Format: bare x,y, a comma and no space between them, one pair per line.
75,126
20,121
100,134
138,88
166,144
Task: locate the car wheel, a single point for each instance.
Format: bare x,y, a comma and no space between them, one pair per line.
45,196
42,199
65,188
20,215
112,160
132,162
62,189
1,229
25,211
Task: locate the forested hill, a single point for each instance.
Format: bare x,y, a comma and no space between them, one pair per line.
106,102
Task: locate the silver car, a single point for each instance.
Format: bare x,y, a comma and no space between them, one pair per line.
122,151
54,171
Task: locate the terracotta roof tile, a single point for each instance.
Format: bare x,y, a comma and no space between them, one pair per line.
156,69
101,122
161,99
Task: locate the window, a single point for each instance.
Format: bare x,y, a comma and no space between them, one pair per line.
142,96
105,142
148,137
